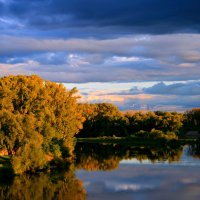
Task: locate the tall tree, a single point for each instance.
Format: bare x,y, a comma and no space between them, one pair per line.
32,109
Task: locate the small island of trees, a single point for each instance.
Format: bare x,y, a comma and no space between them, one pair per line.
40,122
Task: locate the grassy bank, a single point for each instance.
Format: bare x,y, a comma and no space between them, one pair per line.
135,141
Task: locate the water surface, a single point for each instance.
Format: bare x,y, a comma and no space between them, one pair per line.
114,172
142,173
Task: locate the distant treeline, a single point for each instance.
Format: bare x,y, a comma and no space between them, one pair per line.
39,120
104,119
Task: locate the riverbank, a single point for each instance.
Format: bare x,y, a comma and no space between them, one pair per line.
136,141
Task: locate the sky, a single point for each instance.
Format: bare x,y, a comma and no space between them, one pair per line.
137,54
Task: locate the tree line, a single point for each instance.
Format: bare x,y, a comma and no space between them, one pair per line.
39,120
105,119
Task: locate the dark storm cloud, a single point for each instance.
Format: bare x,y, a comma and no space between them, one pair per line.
1,7
143,16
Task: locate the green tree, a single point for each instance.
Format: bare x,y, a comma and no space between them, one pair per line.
148,121
102,119
192,119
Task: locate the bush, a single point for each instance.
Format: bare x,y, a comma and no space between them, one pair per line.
156,134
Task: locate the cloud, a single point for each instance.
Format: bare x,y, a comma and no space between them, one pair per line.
141,16
101,96
177,46
163,102
191,88
146,98
133,58
6,23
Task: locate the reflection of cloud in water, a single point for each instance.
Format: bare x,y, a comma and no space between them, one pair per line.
143,182
174,178
117,186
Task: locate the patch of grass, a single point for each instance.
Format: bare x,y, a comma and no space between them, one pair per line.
135,141
122,140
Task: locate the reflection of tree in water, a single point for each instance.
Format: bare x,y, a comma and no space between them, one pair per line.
96,156
194,150
154,154
44,186
92,156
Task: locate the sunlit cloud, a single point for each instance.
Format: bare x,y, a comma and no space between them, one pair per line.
187,65
160,96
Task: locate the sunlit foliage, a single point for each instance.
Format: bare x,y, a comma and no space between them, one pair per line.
37,118
164,121
11,131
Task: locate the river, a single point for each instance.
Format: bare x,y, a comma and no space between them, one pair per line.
114,172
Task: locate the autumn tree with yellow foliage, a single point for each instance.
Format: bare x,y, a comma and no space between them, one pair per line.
38,120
